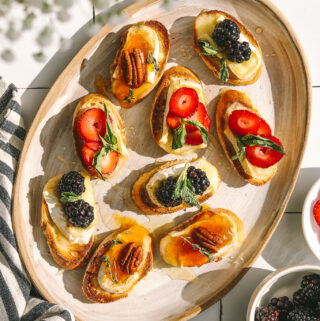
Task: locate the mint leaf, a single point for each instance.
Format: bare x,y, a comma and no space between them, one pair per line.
67,197
207,49
96,163
223,73
109,136
185,190
241,150
179,136
203,131
253,140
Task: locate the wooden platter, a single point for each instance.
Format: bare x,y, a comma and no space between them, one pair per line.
282,95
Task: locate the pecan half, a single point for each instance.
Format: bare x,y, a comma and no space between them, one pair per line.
133,66
206,239
131,258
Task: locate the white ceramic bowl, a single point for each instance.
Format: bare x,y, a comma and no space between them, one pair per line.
310,228
283,282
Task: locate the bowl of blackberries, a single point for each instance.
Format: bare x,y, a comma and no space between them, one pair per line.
288,294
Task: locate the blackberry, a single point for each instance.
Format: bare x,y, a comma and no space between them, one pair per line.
238,51
79,213
301,314
266,314
310,285
225,32
300,298
198,179
72,182
165,192
283,305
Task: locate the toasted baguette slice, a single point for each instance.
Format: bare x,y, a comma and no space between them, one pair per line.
105,278
150,37
252,174
244,73
97,101
66,253
181,248
144,189
173,79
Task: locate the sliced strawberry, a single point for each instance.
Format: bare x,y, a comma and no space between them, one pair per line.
88,155
243,122
316,212
173,121
94,145
194,138
109,162
199,116
91,124
184,102
262,156
264,128
207,123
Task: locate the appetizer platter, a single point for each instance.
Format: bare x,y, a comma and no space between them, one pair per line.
149,183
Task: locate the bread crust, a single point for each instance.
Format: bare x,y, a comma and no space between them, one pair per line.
68,255
213,63
159,104
163,36
239,237
83,105
90,284
143,202
227,98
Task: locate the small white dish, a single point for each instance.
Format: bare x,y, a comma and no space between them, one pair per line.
311,229
282,282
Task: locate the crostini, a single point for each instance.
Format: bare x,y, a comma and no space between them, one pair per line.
206,237
179,120
121,260
227,47
139,62
69,218
246,138
99,136
175,185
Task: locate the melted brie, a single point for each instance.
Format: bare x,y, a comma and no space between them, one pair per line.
253,171
175,84
150,36
55,207
205,25
175,170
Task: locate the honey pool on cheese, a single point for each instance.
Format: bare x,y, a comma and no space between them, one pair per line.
55,207
205,24
136,234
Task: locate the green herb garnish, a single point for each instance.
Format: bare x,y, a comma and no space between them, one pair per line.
130,97
209,50
113,273
152,60
253,140
185,190
115,242
197,247
67,197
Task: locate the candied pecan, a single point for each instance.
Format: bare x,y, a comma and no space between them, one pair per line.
133,67
131,258
206,239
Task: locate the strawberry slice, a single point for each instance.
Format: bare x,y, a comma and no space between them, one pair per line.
243,122
198,116
173,121
264,128
262,156
109,162
316,212
184,102
94,145
207,123
194,138
88,155
91,124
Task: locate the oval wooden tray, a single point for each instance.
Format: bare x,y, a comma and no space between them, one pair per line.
282,94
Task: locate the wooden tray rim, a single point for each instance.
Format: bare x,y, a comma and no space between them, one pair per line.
72,68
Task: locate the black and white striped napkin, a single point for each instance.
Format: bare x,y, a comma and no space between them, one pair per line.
19,300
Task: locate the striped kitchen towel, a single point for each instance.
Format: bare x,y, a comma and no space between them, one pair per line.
19,300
